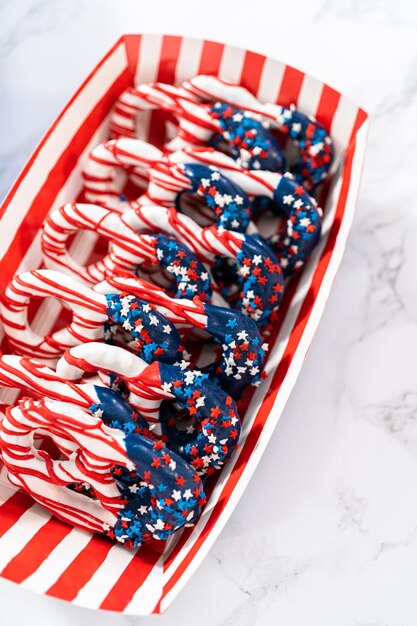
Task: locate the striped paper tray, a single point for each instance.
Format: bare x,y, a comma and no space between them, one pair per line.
44,554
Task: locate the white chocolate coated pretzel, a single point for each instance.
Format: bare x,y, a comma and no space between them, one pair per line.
97,448
88,313
110,164
129,246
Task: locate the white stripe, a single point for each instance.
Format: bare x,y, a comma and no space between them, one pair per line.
289,380
33,256
15,539
342,127
188,59
104,578
56,143
231,64
148,594
6,489
147,70
310,93
8,396
271,79
57,561
149,55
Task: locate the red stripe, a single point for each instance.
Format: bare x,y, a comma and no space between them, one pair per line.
327,106
211,57
166,74
29,164
277,380
36,551
82,568
253,65
170,50
132,45
12,510
361,117
290,87
130,581
56,179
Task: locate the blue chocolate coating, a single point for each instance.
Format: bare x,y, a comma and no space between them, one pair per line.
229,202
162,492
250,142
294,244
256,287
188,272
209,441
157,338
240,353
315,148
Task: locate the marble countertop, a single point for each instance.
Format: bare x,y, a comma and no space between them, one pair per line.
338,542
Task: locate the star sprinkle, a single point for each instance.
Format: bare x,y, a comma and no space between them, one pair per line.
230,204
156,339
301,232
250,142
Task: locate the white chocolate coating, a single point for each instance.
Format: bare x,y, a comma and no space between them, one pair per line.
96,448
88,313
111,163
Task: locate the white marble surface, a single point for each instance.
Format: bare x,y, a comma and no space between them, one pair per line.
337,545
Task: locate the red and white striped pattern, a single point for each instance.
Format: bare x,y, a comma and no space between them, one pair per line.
129,248
30,374
185,314
146,97
89,313
70,564
110,163
90,449
167,178
146,392
195,122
